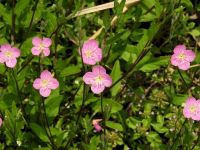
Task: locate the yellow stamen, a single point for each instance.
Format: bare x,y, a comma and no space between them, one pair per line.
8,54
193,108
181,56
88,53
44,83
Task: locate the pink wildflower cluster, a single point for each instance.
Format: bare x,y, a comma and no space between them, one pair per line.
182,57
9,55
46,82
98,78
192,109
96,125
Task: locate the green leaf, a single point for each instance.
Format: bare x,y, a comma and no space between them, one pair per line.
155,64
39,131
51,22
71,70
116,74
52,105
21,6
114,125
115,106
179,99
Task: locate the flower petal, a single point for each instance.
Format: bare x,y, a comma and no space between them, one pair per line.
37,83
179,49
5,47
184,66
53,84
98,70
190,55
46,75
11,62
36,51
107,80
15,51
45,92
98,55
2,58
89,78
46,51
46,42
36,41
97,89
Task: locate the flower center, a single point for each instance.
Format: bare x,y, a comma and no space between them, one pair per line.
88,53
8,54
41,46
99,79
181,56
193,108
44,83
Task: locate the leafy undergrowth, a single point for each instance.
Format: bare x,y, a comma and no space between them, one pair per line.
142,109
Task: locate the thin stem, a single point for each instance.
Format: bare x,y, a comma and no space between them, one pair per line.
178,135
48,127
25,64
31,22
104,123
196,65
183,78
17,87
13,23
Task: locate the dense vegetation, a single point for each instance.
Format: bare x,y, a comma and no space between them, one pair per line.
136,93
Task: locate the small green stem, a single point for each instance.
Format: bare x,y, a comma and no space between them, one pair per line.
25,64
104,123
179,72
48,127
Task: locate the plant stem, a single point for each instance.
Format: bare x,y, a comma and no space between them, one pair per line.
17,87
31,22
183,79
13,23
25,64
196,65
104,123
48,127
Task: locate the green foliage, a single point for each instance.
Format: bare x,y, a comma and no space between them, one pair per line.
144,107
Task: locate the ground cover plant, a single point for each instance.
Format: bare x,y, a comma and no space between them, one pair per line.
91,75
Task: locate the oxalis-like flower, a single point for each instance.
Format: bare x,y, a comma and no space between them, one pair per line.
182,57
91,53
98,79
192,109
45,83
41,46
9,55
96,125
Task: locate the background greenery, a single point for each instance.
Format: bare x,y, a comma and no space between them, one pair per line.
142,111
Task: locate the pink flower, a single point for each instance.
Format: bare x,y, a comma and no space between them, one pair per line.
98,79
45,83
41,46
192,108
96,125
91,53
182,57
8,55
1,121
